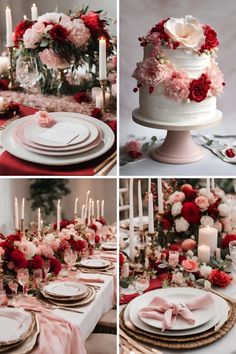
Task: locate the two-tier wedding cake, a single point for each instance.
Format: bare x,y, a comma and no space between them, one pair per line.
178,79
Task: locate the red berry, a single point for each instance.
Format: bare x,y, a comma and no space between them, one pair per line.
223,83
135,89
139,85
230,153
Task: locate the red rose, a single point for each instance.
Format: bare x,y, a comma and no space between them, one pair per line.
37,262
59,33
189,192
228,238
213,209
13,238
93,22
165,276
211,40
113,125
191,212
96,113
97,239
121,259
93,227
63,224
20,30
199,88
19,259
176,247
81,97
181,258
219,278
161,29
55,265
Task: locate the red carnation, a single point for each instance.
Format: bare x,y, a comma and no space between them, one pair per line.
198,88
227,239
59,33
37,262
96,113
55,266
20,30
19,259
211,40
219,278
13,238
97,239
191,212
93,22
81,97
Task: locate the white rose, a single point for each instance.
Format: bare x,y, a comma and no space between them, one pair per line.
233,215
176,208
207,285
219,192
205,271
181,225
204,192
178,278
218,226
187,31
224,209
207,221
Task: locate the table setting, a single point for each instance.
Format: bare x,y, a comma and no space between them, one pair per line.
177,273
61,80
54,279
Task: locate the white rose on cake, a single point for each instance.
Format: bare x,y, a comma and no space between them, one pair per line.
186,31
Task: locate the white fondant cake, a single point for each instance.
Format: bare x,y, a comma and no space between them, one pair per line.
179,79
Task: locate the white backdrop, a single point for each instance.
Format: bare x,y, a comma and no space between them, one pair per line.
139,16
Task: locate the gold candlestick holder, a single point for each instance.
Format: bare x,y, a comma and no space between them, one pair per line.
142,235
22,227
12,84
152,235
103,84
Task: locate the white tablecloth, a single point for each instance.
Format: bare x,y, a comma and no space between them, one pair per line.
93,311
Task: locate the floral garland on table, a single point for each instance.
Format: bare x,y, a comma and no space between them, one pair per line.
177,85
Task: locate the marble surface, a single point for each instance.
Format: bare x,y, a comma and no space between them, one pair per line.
136,18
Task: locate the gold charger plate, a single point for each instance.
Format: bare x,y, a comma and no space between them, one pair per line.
91,295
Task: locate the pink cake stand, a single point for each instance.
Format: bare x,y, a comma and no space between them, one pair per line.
178,146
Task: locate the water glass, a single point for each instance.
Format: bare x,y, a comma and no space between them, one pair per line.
70,257
141,283
232,252
23,279
46,267
27,73
37,278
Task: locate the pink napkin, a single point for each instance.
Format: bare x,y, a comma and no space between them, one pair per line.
56,334
103,255
167,312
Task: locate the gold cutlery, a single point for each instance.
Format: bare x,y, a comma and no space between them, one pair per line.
105,162
104,171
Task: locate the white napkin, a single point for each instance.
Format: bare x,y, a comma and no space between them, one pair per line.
61,132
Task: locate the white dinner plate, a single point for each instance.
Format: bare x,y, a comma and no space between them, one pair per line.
28,123
16,149
221,305
109,246
95,263
125,223
65,289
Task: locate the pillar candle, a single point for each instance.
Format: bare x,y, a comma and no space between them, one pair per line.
160,196
34,13
98,209
208,236
4,63
131,219
76,206
39,220
102,208
95,92
9,39
23,209
99,100
102,59
208,186
16,214
150,214
140,206
204,254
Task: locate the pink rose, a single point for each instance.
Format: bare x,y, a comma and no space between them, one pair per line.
49,58
44,119
134,149
176,197
80,34
190,265
216,77
202,203
177,87
46,251
188,244
38,27
173,258
31,38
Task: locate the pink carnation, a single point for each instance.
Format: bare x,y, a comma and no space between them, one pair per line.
44,119
177,87
80,34
216,78
202,202
151,73
49,58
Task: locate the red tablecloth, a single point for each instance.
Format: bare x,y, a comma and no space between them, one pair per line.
154,284
13,166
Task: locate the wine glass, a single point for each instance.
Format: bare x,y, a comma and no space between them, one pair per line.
141,283
232,252
37,277
46,267
27,73
23,279
70,257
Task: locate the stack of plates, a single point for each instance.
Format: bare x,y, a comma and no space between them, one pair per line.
68,293
109,246
97,264
19,330
212,317
74,138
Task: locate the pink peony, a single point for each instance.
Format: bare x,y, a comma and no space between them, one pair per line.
31,38
150,72
202,203
49,58
177,86
216,77
46,251
44,119
80,34
28,249
38,28
134,149
190,265
176,197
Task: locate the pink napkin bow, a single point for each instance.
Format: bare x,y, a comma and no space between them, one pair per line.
161,310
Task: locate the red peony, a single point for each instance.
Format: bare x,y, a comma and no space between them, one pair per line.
59,33
227,239
55,266
97,239
37,262
81,97
198,88
93,22
20,30
96,113
219,278
191,212
19,259
211,40
77,245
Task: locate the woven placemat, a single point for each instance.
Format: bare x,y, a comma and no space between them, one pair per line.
186,342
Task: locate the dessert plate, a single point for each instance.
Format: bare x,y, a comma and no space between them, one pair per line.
27,124
65,289
94,263
109,246
16,149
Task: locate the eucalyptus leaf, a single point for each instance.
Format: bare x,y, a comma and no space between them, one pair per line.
145,147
